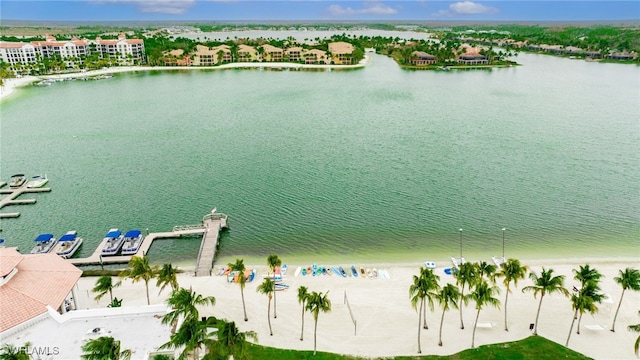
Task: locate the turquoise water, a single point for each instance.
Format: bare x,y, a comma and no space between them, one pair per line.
375,164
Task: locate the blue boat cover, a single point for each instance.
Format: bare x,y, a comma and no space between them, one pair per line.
1,241
44,237
113,234
68,237
132,234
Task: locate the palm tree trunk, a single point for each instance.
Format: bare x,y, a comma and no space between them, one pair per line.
111,298
269,316
535,326
580,319
506,298
441,322
461,306
244,308
475,326
302,331
613,325
419,321
424,315
571,328
275,316
146,283
315,332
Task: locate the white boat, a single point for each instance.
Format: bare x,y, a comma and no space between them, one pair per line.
132,241
17,180
498,260
37,181
457,262
430,264
44,244
68,244
113,242
283,269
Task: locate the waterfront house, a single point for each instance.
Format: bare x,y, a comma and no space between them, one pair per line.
29,284
272,53
471,56
205,56
176,58
421,58
341,52
247,53
294,53
126,51
315,57
622,55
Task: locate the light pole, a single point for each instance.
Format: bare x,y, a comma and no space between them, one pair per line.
460,244
503,230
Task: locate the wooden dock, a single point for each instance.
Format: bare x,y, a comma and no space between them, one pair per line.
13,193
210,229
213,224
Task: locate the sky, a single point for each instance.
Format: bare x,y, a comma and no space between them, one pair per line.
318,10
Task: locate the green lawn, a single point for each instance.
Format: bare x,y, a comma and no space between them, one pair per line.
531,348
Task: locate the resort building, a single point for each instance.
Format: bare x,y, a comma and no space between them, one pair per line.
421,58
32,284
315,56
247,53
126,51
341,52
294,54
622,55
176,58
272,53
471,56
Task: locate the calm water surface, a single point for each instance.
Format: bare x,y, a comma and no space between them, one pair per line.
373,164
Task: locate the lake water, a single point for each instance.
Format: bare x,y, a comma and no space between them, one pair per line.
376,164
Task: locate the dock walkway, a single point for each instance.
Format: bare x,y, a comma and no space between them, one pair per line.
210,229
13,193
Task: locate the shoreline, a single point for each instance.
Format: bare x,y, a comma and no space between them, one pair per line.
11,84
386,322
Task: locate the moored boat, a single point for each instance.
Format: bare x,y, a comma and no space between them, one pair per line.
17,180
37,181
132,242
68,244
354,272
342,272
112,243
44,244
1,243
498,260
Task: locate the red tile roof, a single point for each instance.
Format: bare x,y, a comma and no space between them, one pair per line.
41,280
8,260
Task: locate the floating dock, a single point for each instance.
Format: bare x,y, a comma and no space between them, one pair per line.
210,229
13,193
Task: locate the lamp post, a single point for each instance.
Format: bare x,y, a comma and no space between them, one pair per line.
460,244
503,230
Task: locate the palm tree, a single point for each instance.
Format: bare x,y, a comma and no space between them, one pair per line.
230,341
104,348
585,274
273,262
482,295
303,294
636,345
316,302
511,270
466,275
10,352
431,288
105,285
267,288
239,267
546,283
191,334
140,270
628,279
167,276
184,303
416,294
447,297
585,300
487,269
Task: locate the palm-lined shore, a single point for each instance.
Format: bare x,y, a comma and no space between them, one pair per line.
386,322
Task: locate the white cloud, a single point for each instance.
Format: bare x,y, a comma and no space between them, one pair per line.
369,8
155,6
466,8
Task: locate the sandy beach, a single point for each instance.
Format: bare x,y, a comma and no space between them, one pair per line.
386,324
10,85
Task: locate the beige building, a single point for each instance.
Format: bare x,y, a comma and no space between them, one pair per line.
421,58
316,56
272,53
205,56
294,53
247,53
341,52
